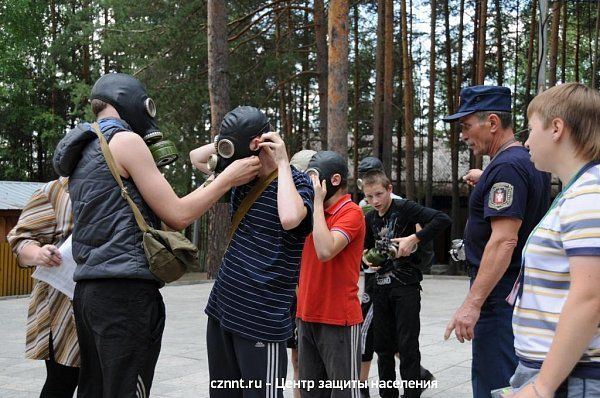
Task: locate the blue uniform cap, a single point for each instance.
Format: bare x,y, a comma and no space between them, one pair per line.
481,98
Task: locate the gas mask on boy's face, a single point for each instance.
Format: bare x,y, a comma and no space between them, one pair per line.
129,97
238,129
324,165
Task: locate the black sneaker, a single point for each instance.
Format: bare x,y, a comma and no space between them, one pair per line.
426,375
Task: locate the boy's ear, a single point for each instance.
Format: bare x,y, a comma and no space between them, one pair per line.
336,180
254,143
558,126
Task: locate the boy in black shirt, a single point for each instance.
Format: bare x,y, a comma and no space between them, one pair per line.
397,294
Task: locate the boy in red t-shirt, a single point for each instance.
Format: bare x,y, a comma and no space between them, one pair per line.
329,313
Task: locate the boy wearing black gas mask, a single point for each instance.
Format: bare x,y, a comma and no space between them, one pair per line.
249,306
397,291
328,312
119,312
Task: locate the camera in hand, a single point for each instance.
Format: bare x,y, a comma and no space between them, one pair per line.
384,250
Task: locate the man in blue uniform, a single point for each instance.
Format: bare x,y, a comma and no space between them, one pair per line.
507,202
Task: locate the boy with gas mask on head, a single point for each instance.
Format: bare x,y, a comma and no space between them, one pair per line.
249,306
392,247
329,313
119,312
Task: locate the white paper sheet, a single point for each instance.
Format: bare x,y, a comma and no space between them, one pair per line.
60,277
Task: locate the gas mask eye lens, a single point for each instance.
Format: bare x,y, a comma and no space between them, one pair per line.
225,148
150,107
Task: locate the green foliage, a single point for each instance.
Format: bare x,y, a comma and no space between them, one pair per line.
52,52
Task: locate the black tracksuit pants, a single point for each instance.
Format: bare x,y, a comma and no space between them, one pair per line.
119,326
244,368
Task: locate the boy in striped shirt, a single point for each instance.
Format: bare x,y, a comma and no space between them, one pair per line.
249,306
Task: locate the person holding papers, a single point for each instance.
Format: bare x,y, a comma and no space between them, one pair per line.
46,222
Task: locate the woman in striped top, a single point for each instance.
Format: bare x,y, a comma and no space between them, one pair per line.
46,222
556,317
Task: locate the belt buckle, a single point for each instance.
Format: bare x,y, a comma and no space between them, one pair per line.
384,279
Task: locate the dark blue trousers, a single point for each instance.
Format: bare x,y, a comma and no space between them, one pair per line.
494,358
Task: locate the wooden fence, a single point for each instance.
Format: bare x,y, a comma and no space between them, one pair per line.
14,280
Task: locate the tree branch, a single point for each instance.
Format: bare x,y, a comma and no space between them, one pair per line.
288,80
251,38
254,22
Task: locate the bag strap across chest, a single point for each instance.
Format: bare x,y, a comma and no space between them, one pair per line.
249,200
112,166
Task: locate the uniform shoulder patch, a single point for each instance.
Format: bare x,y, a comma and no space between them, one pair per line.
501,196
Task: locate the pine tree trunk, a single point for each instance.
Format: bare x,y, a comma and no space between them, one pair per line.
289,102
281,77
307,108
577,40
454,133
481,44
408,107
337,109
431,109
516,70
542,47
554,43
452,100
388,88
595,59
459,69
400,119
53,92
85,48
475,41
322,62
530,61
218,88
304,86
356,100
499,55
379,77
299,144
53,30
563,55
218,63
106,60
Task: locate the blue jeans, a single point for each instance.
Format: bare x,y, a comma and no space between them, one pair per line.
573,387
494,358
